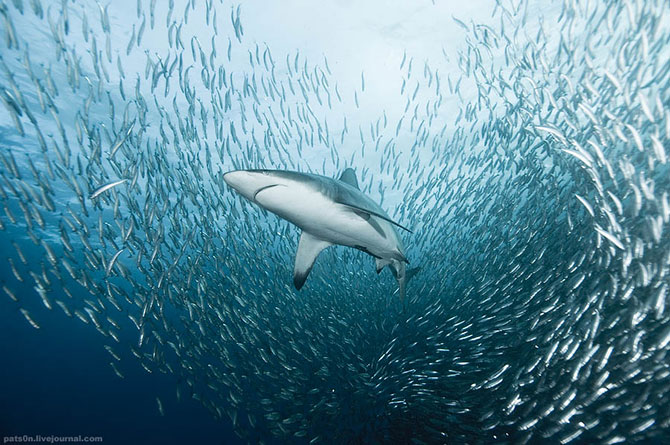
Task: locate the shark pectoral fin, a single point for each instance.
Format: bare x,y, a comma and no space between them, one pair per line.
373,222
371,212
349,177
381,263
309,247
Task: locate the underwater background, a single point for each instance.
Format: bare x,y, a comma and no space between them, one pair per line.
524,143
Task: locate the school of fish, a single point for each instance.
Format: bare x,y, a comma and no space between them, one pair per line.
530,164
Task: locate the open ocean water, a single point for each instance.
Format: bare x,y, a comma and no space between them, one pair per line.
524,144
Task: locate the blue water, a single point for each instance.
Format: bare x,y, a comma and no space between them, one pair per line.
57,381
523,144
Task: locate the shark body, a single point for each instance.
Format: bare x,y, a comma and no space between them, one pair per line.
328,211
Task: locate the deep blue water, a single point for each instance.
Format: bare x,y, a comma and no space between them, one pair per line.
57,381
524,144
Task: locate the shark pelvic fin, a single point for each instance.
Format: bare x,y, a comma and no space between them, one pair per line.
349,177
381,263
309,247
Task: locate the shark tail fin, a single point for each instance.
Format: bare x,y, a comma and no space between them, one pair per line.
398,269
411,272
403,276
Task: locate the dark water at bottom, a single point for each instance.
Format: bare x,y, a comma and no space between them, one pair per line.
57,381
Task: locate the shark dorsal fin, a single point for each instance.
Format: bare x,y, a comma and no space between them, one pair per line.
349,176
309,247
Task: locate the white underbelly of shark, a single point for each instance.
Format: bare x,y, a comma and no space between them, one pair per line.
337,224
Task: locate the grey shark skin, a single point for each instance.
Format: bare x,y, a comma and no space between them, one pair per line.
329,211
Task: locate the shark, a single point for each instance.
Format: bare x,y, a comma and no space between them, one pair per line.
328,211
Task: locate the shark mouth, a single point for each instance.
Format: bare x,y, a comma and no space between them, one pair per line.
264,188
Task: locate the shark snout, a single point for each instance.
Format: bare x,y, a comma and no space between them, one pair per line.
233,178
240,181
248,182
